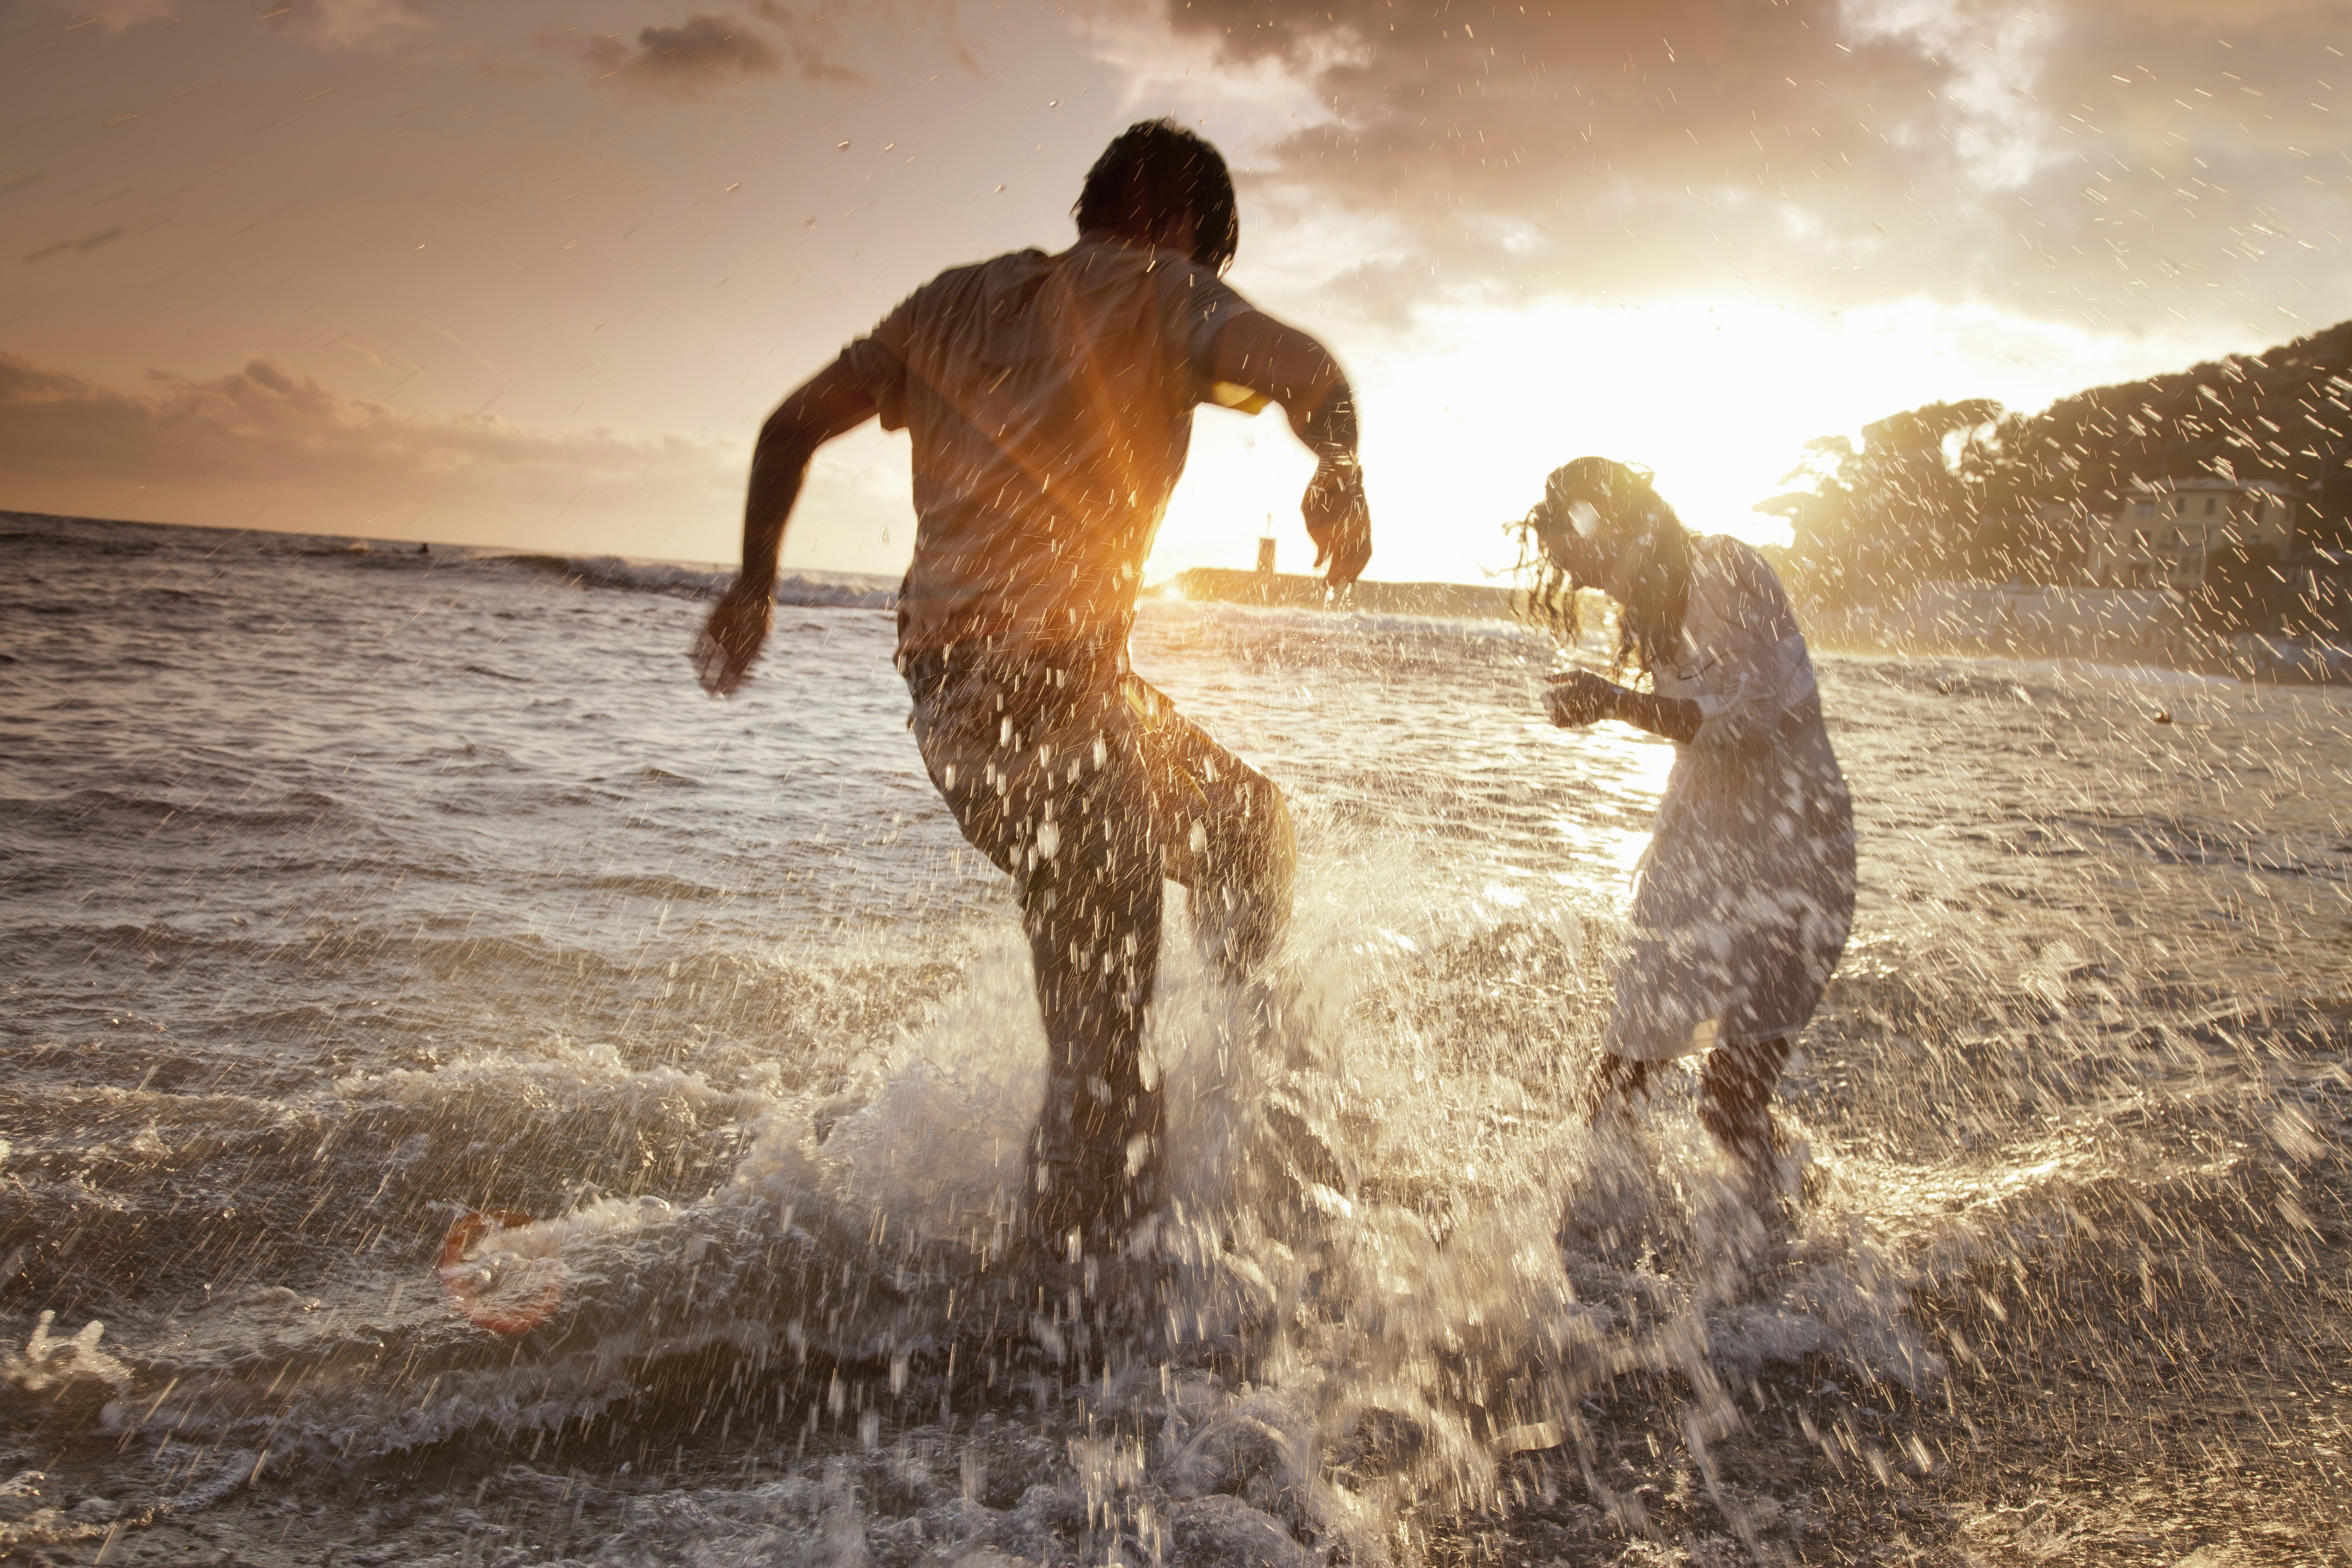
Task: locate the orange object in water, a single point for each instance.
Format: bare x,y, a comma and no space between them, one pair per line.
506,1290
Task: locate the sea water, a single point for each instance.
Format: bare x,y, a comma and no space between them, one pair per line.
349,890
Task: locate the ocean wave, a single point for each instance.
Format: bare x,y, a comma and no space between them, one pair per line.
100,810
36,529
808,590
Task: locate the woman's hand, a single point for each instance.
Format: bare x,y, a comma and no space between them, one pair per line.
1580,698
731,639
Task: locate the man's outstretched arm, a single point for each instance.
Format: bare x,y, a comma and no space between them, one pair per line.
828,404
1259,352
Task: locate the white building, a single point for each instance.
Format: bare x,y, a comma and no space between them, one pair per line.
2166,531
2044,620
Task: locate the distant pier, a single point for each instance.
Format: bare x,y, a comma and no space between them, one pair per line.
1217,585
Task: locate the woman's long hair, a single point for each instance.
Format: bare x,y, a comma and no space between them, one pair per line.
1650,624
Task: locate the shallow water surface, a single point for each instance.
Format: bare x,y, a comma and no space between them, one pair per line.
349,891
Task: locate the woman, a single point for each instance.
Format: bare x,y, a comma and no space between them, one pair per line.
1742,904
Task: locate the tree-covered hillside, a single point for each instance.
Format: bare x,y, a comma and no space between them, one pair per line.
1972,490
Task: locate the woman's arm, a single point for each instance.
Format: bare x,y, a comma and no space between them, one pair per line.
1676,718
1580,698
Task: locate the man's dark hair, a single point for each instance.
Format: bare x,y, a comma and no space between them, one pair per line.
1153,170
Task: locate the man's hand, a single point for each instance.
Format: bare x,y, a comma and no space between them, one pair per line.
1338,519
1580,698
829,403
1259,354
731,639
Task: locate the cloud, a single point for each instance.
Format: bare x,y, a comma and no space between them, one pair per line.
322,23
264,426
117,16
701,55
88,242
346,23
2121,158
813,43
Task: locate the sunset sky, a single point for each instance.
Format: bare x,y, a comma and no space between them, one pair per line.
531,274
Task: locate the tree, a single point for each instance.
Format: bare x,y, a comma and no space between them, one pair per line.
1967,488
1820,520
1869,522
1911,492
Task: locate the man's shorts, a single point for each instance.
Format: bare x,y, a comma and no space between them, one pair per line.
1046,752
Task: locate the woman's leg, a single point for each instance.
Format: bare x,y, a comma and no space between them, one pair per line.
1734,1097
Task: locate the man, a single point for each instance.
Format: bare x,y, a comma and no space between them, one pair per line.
1050,402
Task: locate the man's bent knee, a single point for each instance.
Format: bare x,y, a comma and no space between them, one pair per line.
1241,902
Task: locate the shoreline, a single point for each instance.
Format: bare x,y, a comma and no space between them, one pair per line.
2251,659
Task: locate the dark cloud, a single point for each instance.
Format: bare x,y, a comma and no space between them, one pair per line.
2119,159
264,425
88,242
701,55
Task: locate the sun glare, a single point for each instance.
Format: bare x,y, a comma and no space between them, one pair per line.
1465,414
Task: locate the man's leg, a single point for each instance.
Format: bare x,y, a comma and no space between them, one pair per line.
1226,835
1045,773
1092,912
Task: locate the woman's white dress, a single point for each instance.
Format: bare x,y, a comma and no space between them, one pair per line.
1742,904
